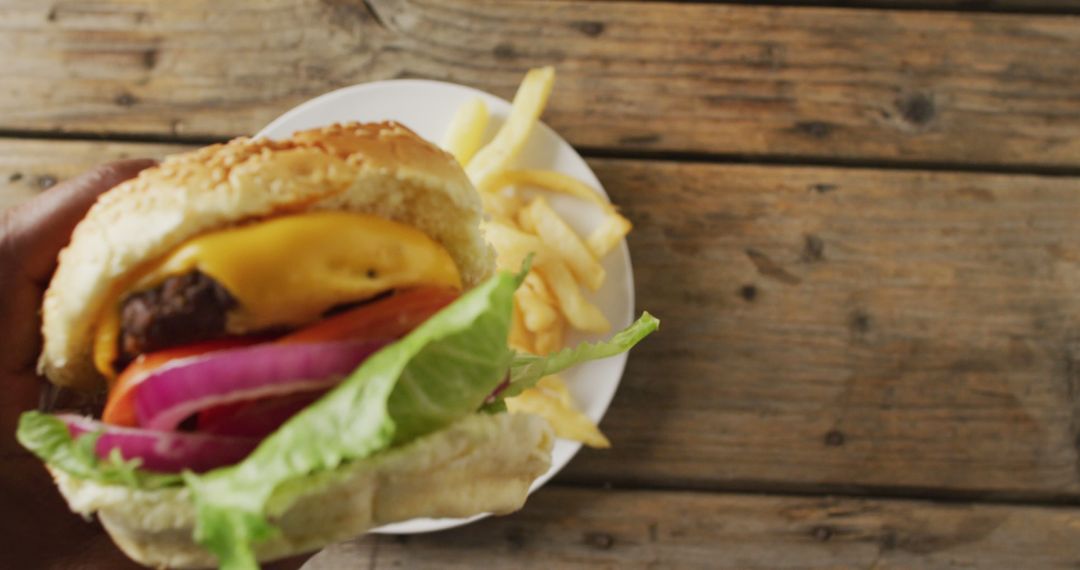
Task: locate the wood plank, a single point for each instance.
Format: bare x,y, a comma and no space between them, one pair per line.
1065,6
849,327
834,328
777,81
573,528
1023,6
29,166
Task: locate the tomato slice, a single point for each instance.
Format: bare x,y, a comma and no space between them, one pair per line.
392,317
120,407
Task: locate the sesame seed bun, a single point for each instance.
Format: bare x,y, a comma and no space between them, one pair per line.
382,169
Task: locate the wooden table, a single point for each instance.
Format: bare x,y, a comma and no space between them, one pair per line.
859,224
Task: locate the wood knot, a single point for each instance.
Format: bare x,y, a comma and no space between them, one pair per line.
15,177
822,188
860,323
813,248
748,292
599,540
834,438
815,129
591,29
822,533
125,99
917,108
769,268
46,181
504,51
888,540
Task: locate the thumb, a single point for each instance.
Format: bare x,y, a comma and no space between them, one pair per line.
37,230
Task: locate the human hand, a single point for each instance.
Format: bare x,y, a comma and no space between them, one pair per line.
38,529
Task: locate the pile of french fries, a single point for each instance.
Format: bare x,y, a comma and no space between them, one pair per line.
519,225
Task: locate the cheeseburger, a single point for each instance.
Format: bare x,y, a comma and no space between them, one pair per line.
298,340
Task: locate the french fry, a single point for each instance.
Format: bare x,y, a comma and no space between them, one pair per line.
550,339
502,207
523,219
538,315
512,246
548,180
603,239
529,102
466,132
581,314
551,400
536,283
561,238
608,234
520,337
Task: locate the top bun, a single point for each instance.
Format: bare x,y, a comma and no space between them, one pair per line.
382,169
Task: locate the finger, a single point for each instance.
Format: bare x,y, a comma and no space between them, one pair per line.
21,393
40,228
42,532
20,300
39,529
31,236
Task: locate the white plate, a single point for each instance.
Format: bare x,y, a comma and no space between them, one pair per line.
427,107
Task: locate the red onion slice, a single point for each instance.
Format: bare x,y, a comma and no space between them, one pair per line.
171,394
161,451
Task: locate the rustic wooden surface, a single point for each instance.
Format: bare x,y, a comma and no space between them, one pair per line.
838,327
29,166
857,224
809,83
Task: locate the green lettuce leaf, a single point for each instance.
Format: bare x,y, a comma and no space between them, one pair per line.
442,371
527,369
439,373
47,437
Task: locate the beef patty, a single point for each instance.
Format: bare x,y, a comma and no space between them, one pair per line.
181,310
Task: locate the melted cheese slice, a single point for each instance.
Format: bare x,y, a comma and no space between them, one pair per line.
287,271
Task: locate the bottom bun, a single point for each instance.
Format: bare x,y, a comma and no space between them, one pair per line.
481,464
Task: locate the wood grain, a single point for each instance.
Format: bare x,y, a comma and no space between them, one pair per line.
847,328
1030,6
576,528
1065,6
808,83
828,329
30,166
